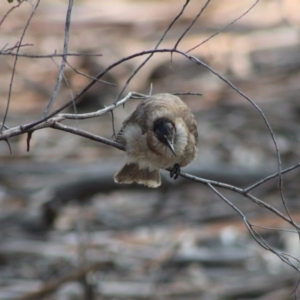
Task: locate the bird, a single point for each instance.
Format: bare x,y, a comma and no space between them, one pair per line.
161,133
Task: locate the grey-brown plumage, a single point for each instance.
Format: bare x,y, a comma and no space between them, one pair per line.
161,133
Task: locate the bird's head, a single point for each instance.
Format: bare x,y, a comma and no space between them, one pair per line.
165,131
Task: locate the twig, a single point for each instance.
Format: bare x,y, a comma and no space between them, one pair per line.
15,64
14,131
88,76
87,135
256,236
192,23
63,60
224,28
29,136
255,185
8,145
188,94
9,11
5,50
99,112
241,192
68,85
152,53
2,52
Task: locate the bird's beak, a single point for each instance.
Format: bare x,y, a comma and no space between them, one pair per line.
170,144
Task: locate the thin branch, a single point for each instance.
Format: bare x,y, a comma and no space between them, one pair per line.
152,53
29,136
294,292
5,51
15,64
275,229
248,189
63,60
87,135
88,76
69,87
2,52
256,236
4,126
188,94
99,112
9,11
15,131
192,23
8,145
241,192
224,28
113,123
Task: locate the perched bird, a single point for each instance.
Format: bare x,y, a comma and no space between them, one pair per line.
161,133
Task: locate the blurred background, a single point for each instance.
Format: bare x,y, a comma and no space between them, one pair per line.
66,224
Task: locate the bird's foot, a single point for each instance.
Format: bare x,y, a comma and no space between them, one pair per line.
175,172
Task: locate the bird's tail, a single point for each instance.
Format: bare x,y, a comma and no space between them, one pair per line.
131,173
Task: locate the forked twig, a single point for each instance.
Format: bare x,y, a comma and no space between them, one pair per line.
15,63
256,236
151,54
192,23
63,59
224,28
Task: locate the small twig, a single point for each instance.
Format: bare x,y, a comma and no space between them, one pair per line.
69,87
63,60
241,192
152,53
15,131
88,76
17,46
224,28
29,135
256,236
9,11
9,147
87,135
255,185
99,112
15,63
2,52
275,229
4,126
294,292
188,94
192,23
113,123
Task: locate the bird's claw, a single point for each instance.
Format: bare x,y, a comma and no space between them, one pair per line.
175,172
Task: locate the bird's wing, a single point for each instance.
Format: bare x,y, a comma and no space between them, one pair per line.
137,117
191,123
